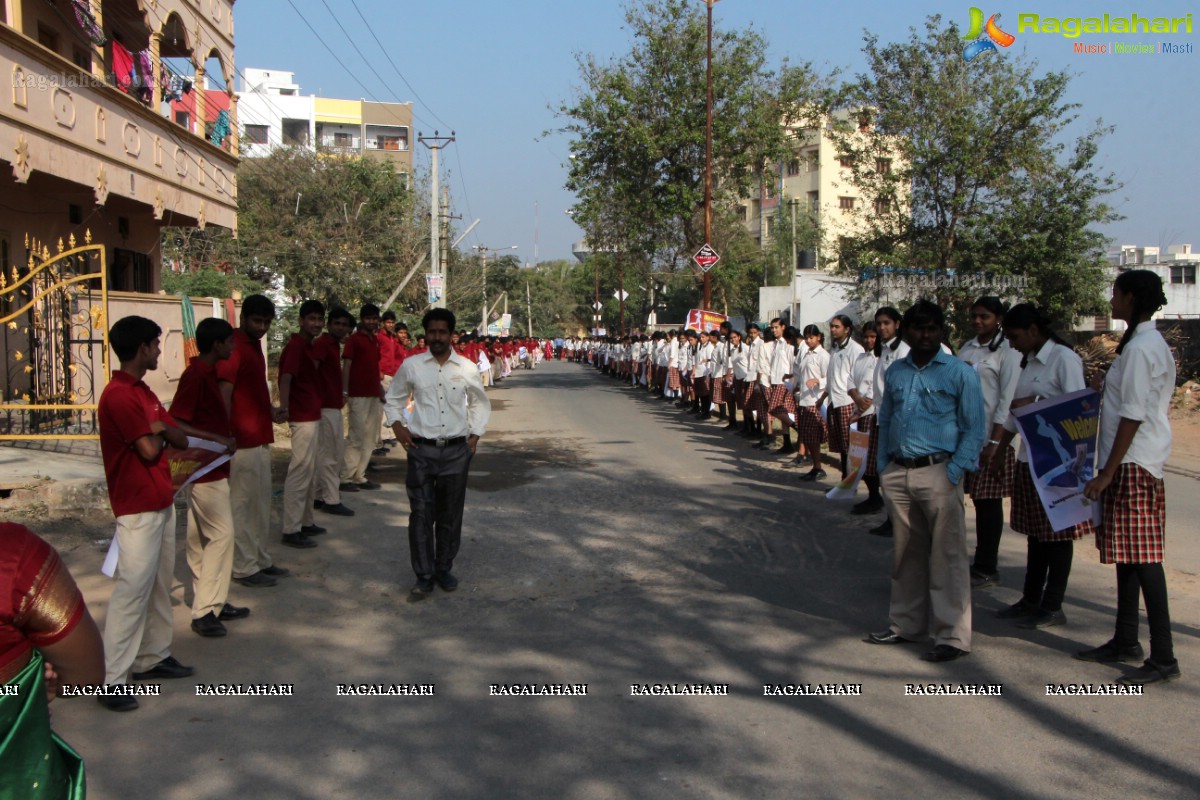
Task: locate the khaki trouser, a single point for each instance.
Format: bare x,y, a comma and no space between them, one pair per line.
365,416
209,545
931,582
300,486
138,627
250,503
385,433
331,448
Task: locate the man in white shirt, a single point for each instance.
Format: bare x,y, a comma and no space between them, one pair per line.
450,413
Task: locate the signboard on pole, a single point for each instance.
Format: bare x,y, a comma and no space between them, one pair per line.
700,320
435,286
706,258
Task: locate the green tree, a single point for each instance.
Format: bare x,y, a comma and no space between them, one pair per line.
988,181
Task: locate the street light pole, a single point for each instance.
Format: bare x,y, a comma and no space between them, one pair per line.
435,143
708,125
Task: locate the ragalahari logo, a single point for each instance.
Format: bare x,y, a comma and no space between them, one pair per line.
984,37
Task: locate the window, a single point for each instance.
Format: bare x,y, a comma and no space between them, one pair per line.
814,201
131,271
744,212
47,38
793,167
1184,273
389,143
82,58
342,140
256,134
883,166
811,159
846,203
846,161
183,119
881,207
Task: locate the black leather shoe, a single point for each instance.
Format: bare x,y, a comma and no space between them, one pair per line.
169,667
368,485
118,702
982,580
318,504
275,571
423,586
339,510
209,626
447,581
229,612
883,529
312,530
259,580
1043,619
297,540
1149,672
379,451
1017,610
1111,653
868,506
813,475
944,652
886,637
347,487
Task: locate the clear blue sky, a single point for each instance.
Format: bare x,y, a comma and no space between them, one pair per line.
491,71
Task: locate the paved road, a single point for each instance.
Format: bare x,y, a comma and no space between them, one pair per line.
609,540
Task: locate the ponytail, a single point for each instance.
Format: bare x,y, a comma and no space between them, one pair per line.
1146,290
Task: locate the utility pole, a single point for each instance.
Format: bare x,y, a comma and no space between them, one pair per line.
528,309
708,136
435,143
621,295
483,254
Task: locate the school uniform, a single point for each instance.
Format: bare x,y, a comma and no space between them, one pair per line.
780,401
841,406
999,373
366,409
811,365
331,446
862,378
304,420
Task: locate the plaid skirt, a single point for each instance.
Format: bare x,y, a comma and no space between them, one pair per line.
810,428
780,401
756,398
867,424
719,391
673,381
1028,516
1133,528
839,428
983,485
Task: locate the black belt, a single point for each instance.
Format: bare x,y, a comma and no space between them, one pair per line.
923,461
439,442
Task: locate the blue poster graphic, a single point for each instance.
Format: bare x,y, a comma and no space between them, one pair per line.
1060,440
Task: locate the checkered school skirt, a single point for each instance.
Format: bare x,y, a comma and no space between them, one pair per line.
839,428
810,428
719,392
867,425
1028,516
673,381
984,485
780,401
1133,527
756,398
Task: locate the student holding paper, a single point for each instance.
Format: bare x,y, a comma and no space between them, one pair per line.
198,402
1134,442
862,392
843,352
810,385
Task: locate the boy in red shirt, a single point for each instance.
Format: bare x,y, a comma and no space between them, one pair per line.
198,402
360,384
134,433
390,358
327,350
300,398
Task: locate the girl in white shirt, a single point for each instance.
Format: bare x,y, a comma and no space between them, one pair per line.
736,378
1134,442
810,378
862,392
843,352
889,348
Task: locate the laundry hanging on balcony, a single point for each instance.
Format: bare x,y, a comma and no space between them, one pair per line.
220,128
86,20
122,66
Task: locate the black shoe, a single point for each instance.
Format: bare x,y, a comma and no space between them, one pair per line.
1017,610
794,464
1111,653
1043,619
423,586
982,580
886,637
883,529
258,580
447,581
229,612
763,444
339,510
298,540
368,485
209,625
379,451
312,530
275,571
868,506
318,505
347,487
169,667
731,426
944,652
118,702
705,415
371,467
1149,672
813,475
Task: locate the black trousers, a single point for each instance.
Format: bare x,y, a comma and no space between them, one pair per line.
1150,581
1047,570
437,490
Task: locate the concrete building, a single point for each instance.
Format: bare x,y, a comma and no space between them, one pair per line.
93,168
274,113
1177,267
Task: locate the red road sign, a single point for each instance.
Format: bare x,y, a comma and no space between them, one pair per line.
706,258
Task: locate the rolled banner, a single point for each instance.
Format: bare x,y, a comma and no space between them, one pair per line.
847,488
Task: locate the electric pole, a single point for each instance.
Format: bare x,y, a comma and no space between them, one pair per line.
529,309
435,143
708,135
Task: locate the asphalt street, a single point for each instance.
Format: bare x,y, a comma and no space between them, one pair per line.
612,541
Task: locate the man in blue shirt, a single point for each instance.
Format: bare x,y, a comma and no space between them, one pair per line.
930,433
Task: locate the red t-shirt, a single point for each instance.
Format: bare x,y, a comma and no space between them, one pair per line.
127,407
304,396
362,351
246,369
198,402
328,352
389,353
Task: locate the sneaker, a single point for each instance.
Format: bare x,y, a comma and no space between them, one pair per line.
169,667
981,580
229,612
447,581
209,626
297,540
1149,672
813,475
1110,653
1043,619
423,586
339,510
258,580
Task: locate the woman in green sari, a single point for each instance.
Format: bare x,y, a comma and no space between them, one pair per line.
47,638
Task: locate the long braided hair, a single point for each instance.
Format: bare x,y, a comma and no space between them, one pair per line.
1146,289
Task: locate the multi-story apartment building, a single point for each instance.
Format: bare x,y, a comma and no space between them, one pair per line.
92,160
274,113
1177,267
